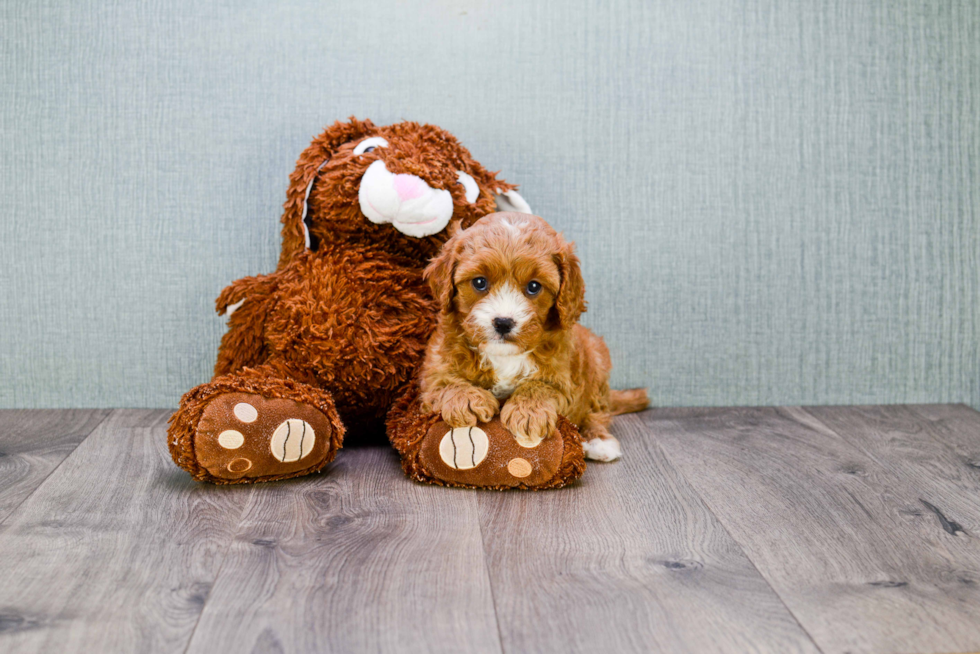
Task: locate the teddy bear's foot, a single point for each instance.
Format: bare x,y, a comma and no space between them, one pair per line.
225,434
246,435
484,456
488,455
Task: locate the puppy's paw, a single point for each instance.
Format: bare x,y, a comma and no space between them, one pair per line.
464,406
530,422
602,449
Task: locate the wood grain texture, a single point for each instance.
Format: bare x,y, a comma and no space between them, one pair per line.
846,528
955,425
358,559
851,529
117,551
628,560
33,443
912,449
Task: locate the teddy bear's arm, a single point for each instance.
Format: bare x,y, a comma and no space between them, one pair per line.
240,290
247,302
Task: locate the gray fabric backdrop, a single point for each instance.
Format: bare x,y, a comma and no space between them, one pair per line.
775,202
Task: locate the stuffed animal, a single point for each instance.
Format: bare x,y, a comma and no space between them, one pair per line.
330,341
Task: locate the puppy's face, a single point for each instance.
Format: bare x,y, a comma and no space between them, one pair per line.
508,281
503,298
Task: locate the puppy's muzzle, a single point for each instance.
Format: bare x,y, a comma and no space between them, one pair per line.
503,326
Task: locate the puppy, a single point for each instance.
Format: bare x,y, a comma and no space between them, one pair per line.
510,293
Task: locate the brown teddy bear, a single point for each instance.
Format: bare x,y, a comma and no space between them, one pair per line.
332,339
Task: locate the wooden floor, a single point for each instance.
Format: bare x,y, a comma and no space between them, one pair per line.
722,530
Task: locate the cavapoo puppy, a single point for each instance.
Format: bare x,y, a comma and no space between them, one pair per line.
510,293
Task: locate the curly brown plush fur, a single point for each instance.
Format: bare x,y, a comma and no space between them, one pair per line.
340,326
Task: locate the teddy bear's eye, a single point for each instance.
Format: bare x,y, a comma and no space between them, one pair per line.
480,283
469,185
369,145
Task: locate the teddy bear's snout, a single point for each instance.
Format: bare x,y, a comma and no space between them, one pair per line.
406,201
409,187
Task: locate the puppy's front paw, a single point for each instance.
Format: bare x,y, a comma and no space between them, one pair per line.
529,422
464,406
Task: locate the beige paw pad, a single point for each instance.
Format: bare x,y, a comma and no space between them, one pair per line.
528,442
239,465
519,467
245,412
231,439
292,440
464,448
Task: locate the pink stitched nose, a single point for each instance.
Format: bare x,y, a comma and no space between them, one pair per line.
409,186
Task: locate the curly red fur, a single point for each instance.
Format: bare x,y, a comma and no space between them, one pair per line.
351,315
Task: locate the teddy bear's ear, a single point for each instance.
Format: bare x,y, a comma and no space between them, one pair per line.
511,201
295,234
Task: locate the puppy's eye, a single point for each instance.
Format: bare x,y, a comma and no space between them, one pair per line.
533,287
369,145
480,283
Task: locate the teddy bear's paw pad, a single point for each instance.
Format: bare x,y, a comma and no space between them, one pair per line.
246,435
488,456
464,448
520,468
292,440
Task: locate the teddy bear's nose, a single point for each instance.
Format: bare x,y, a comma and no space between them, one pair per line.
409,187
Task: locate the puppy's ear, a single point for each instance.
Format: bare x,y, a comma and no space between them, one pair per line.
570,303
440,272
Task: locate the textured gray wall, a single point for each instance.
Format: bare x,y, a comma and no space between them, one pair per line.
775,202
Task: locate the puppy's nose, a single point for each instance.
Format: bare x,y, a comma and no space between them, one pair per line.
503,325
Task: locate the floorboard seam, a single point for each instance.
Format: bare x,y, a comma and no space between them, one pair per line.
14,510
741,547
221,566
486,568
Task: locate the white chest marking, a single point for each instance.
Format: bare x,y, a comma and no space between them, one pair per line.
509,370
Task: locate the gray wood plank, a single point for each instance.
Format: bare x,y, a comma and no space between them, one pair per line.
837,524
359,559
628,560
116,550
912,448
955,425
33,443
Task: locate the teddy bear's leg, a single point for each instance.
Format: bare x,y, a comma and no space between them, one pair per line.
254,425
484,456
